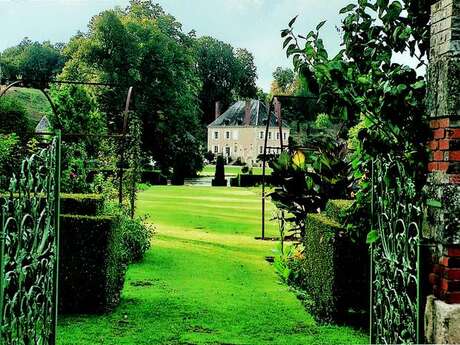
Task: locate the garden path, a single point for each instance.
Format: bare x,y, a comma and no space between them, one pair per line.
205,280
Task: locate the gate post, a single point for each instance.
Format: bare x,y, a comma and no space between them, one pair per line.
442,315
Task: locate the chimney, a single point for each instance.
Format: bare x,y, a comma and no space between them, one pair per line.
247,113
218,109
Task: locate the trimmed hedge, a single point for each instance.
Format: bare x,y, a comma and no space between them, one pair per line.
246,180
82,204
153,177
336,269
92,265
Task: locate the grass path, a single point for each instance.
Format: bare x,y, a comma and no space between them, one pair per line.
205,281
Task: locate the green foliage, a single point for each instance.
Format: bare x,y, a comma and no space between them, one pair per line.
14,117
145,48
82,204
362,84
323,121
326,265
32,61
225,74
74,177
92,264
9,157
136,234
309,179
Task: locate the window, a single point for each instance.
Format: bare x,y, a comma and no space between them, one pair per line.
227,135
284,136
216,135
216,149
261,149
235,134
235,149
277,135
261,135
227,151
269,135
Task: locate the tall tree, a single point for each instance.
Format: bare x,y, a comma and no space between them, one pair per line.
144,48
32,61
226,74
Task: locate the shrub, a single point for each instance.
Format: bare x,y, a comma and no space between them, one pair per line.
219,176
334,270
92,264
136,235
82,204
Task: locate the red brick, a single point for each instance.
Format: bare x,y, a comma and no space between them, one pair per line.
443,123
450,285
434,124
433,145
438,156
453,133
452,251
451,273
439,133
443,166
452,297
433,279
432,166
437,269
454,179
454,156
450,261
443,144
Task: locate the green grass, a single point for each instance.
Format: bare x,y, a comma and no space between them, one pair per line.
205,280
33,100
231,170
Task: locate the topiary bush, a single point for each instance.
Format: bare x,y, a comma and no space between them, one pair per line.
219,176
92,264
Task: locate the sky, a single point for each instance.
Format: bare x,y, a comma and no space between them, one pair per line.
251,24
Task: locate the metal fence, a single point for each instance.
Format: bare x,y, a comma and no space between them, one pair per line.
395,256
29,250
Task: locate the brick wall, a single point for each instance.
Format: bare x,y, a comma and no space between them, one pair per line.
444,165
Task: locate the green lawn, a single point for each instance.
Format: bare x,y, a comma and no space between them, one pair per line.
33,100
205,281
234,170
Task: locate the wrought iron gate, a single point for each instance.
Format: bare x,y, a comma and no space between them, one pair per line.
395,255
29,250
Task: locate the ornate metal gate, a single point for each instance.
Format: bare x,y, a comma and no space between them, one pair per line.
395,255
29,250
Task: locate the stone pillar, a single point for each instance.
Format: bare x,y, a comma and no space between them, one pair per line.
442,315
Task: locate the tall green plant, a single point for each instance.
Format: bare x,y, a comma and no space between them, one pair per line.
363,84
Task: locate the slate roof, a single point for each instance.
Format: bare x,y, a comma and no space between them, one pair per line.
234,116
44,125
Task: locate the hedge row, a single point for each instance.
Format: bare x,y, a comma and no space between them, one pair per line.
92,265
246,180
82,204
336,269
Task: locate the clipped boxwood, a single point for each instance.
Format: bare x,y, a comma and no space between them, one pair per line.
92,265
336,268
82,204
153,177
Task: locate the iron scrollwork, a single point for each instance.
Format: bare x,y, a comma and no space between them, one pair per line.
29,250
395,281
